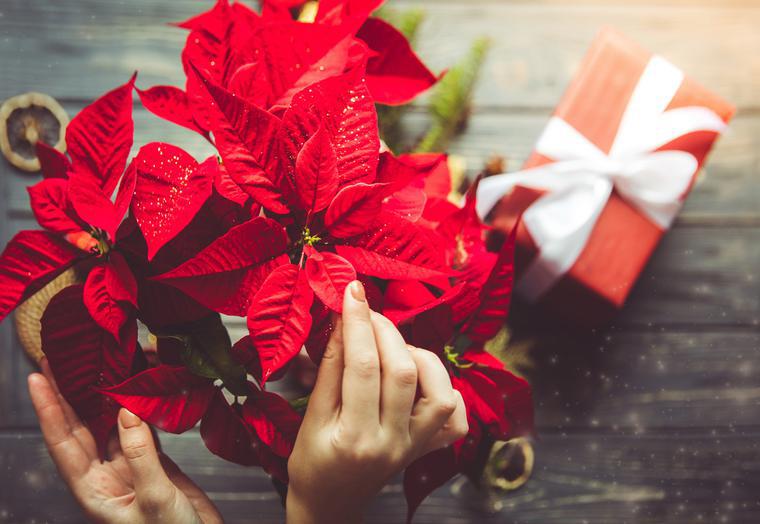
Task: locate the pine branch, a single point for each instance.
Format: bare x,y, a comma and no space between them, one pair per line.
451,101
389,117
408,21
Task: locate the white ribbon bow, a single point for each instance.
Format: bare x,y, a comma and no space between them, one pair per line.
582,177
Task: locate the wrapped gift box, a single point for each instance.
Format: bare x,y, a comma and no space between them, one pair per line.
624,109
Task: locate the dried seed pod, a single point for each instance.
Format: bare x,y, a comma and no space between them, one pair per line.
510,464
25,120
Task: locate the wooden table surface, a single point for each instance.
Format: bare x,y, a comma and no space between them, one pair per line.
655,419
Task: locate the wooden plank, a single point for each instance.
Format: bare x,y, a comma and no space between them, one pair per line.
644,381
7,382
699,277
584,477
728,189
536,47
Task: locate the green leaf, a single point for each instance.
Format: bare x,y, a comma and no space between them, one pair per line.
207,352
451,101
300,403
408,22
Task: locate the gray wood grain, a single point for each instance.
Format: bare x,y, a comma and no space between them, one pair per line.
581,477
639,381
727,190
651,420
82,47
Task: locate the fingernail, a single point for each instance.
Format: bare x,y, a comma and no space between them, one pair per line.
357,291
127,419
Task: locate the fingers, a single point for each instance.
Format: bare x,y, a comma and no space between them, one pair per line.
153,488
455,428
325,398
66,451
398,377
361,374
205,509
80,432
179,479
438,401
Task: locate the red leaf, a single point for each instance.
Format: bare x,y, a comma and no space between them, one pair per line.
376,265
92,205
495,296
321,329
399,316
279,319
335,58
225,274
125,194
438,180
226,435
397,249
328,275
281,57
161,305
85,358
344,107
409,170
425,475
109,292
171,188
395,74
120,282
244,135
354,209
53,163
499,399
172,104
408,203
215,21
433,329
228,188
51,206
244,353
30,260
336,12
317,172
171,398
251,82
95,207
99,138
406,294
275,422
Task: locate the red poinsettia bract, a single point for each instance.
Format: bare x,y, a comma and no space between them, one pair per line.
265,59
299,202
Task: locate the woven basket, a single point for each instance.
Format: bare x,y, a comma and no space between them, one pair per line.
29,314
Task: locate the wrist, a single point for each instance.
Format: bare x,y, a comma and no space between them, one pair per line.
303,510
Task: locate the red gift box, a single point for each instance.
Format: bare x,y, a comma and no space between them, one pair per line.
618,170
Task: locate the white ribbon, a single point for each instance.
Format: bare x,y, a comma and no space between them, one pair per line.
581,179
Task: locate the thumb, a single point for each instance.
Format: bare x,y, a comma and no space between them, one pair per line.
325,397
154,491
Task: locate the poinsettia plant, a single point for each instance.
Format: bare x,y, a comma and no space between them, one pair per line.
300,200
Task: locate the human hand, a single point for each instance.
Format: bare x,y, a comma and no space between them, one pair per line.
362,424
135,485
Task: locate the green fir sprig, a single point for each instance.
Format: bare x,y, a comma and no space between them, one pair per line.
451,101
389,117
